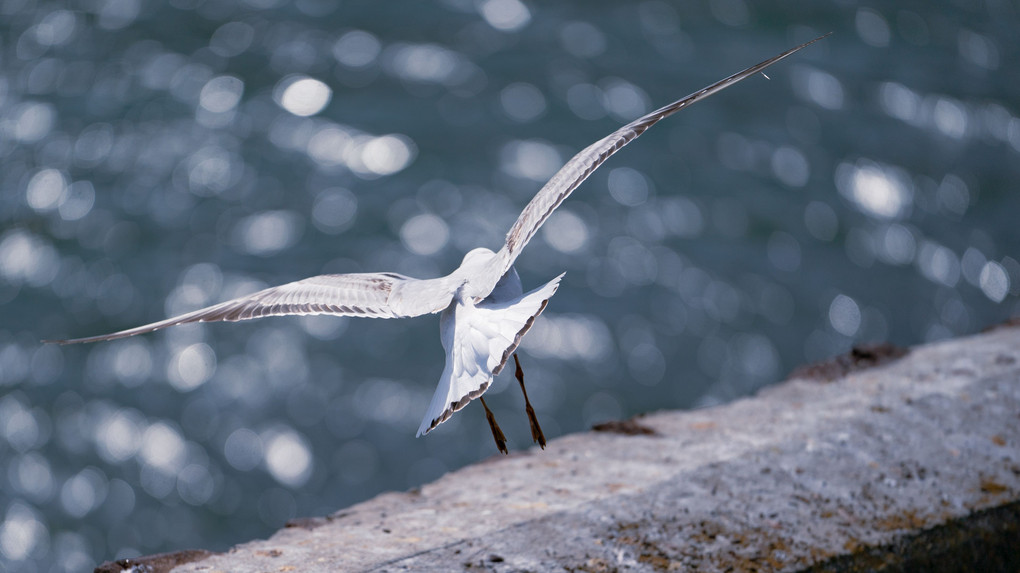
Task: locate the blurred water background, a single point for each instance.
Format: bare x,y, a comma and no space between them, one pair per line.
157,157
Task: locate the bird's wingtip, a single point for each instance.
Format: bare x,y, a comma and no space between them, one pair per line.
822,37
66,341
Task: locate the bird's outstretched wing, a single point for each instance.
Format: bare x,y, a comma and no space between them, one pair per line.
575,171
374,295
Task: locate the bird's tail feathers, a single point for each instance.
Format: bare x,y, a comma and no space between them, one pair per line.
478,340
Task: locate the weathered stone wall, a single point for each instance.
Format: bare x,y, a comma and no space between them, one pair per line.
910,465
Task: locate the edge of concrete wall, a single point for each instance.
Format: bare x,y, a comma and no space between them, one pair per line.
911,464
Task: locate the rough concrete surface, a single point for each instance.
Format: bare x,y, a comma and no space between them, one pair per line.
911,465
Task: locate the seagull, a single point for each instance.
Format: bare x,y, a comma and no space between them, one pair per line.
484,311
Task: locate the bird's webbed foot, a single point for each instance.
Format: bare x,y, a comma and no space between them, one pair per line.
497,434
536,430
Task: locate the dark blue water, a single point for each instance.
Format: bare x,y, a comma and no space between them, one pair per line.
158,158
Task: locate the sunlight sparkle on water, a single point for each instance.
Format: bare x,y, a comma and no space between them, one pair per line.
582,39
424,234
384,155
994,281
565,231
191,367
878,190
533,159
162,447
26,258
428,63
46,190
287,456
302,96
844,315
357,49
569,337
21,532
118,435
335,210
821,88
505,15
268,233
222,94
522,102
243,449
83,492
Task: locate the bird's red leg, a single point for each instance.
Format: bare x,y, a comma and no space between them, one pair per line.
536,430
497,434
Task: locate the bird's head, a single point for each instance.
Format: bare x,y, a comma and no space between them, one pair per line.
477,258
480,270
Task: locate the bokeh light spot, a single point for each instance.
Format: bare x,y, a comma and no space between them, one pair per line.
565,231
425,234
357,49
302,96
582,39
46,190
522,102
790,166
505,15
268,233
243,449
535,160
872,28
844,315
386,155
163,447
628,187
191,367
221,94
994,281
877,190
334,210
288,458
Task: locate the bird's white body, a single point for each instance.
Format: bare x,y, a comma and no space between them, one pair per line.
479,337
484,309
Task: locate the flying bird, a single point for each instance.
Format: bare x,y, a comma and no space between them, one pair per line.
484,311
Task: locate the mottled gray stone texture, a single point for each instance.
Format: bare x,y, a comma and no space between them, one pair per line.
910,465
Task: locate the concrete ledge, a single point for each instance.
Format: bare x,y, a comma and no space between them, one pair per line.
911,465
